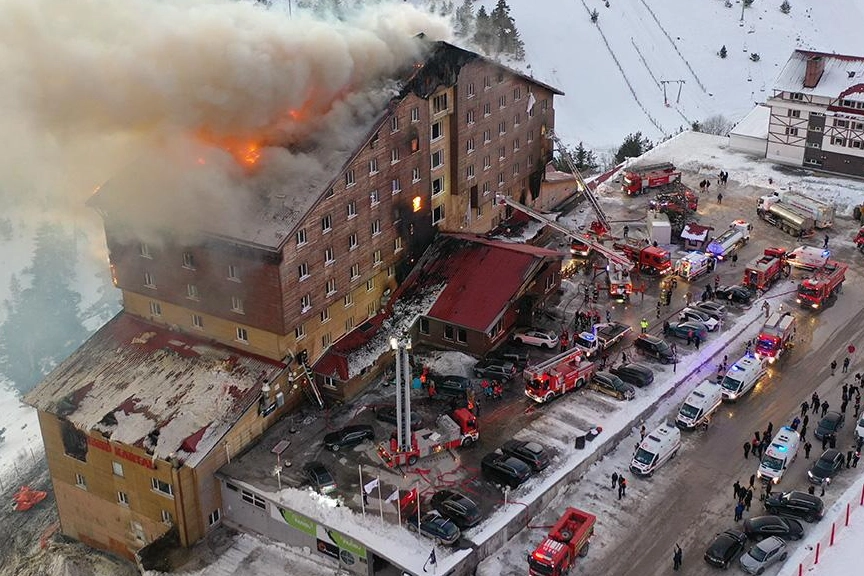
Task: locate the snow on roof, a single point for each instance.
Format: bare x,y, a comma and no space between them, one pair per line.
840,73
554,175
755,124
695,232
132,378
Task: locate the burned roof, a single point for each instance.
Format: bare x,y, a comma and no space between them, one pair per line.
145,386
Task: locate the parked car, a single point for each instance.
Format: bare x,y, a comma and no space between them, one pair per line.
460,509
759,527
530,453
831,423
504,469
494,368
859,429
319,477
388,414
828,465
348,436
634,373
725,547
713,324
734,294
451,386
763,555
654,347
435,526
795,504
716,310
536,337
608,383
683,329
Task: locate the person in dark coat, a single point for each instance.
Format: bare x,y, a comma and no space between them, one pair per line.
807,448
697,340
752,480
804,407
833,366
736,489
739,510
748,498
614,479
825,442
746,450
825,407
677,558
622,487
849,458
769,429
814,403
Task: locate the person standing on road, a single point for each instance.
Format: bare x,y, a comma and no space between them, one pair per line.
622,487
855,458
659,304
643,324
804,425
825,244
626,230
846,365
697,340
752,481
825,441
833,366
848,458
746,450
736,488
677,557
824,484
825,407
768,431
735,260
804,407
739,510
614,479
814,402
748,498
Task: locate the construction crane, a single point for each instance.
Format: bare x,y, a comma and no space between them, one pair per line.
601,226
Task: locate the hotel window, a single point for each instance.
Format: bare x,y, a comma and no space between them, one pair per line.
487,82
394,156
531,110
349,324
80,481
303,271
470,91
424,325
192,292
305,303
461,336
374,199
144,250
391,271
355,271
242,335
469,117
123,498
486,188
395,186
516,145
436,131
793,113
326,224
517,119
326,339
167,518
370,285
479,211
301,237
329,194
517,94
331,287
325,316
449,332
237,304
487,109
415,114
188,260
502,152
117,468
500,179
371,309
376,258
394,124
841,123
502,128
469,171
437,159
197,321
376,227
439,103
502,101
500,77
487,162
544,105
530,136
352,209
329,256
348,300
437,186
352,241
469,145
792,131
233,273
487,136
149,282
438,214
155,309
415,175
373,166
160,486
515,169
300,331
253,499
349,179
838,141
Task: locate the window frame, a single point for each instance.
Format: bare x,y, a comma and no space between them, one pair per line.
241,335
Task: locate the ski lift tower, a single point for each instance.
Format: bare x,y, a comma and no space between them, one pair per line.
403,393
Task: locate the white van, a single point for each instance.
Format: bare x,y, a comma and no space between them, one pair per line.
657,447
808,257
743,376
699,405
779,455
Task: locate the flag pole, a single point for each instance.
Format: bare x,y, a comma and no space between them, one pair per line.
380,500
399,507
417,496
362,502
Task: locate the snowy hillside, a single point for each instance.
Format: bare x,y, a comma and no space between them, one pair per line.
654,40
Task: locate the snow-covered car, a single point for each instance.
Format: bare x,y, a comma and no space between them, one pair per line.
700,316
536,337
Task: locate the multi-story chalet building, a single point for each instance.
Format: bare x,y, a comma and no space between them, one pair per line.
217,313
817,113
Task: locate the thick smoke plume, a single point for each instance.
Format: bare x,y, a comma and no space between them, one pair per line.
92,85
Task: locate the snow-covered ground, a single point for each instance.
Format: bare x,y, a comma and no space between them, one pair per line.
671,40
22,444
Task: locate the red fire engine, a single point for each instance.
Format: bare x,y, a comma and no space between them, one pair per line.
649,259
767,269
776,336
639,179
459,429
826,283
859,240
557,375
568,540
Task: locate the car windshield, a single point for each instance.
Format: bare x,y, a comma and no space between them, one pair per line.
828,423
644,457
765,343
805,291
689,411
758,553
772,463
861,422
730,383
538,567
581,341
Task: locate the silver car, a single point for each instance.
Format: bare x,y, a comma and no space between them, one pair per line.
763,555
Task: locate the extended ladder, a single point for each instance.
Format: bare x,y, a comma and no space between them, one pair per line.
580,182
311,388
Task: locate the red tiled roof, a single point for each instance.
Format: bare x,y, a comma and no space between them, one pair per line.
334,362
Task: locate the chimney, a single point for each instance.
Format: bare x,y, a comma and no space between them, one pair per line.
815,68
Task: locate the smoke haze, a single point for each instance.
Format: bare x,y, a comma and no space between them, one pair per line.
91,85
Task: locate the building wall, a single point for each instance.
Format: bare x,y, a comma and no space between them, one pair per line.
748,144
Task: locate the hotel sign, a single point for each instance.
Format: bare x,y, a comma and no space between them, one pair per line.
105,446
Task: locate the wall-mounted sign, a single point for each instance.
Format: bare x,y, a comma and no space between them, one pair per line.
105,446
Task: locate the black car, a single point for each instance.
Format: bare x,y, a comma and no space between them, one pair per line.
831,423
689,328
828,465
388,414
457,507
634,373
725,547
449,387
494,368
734,294
530,453
319,477
348,436
759,527
796,505
612,385
655,348
516,356
504,469
438,528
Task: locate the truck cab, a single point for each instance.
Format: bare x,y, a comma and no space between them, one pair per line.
568,539
776,336
779,454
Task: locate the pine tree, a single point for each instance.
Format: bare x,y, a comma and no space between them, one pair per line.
483,31
785,8
634,145
723,51
594,16
508,40
748,3
465,19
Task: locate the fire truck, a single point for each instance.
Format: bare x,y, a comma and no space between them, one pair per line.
767,269
567,540
558,375
859,240
677,198
649,259
451,431
822,288
776,336
640,179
